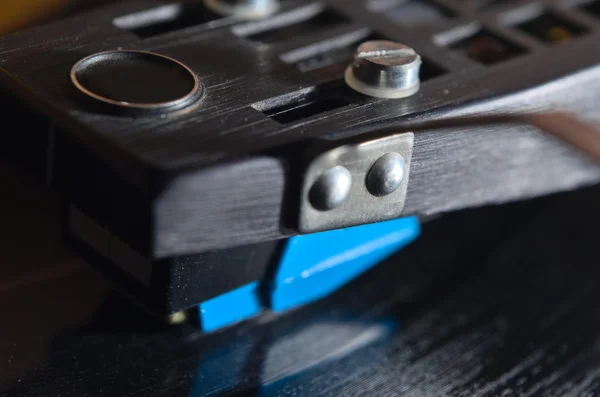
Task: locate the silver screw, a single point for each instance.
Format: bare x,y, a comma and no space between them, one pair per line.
384,69
245,9
331,189
386,175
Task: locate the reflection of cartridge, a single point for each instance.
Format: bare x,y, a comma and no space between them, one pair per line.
246,9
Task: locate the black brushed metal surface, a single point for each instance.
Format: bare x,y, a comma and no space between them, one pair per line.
220,174
494,301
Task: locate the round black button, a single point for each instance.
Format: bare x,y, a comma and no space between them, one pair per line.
136,81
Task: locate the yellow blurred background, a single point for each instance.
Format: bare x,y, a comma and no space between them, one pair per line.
19,14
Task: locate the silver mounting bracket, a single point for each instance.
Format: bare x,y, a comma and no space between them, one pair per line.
338,186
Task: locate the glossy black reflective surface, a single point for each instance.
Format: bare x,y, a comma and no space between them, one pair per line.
498,301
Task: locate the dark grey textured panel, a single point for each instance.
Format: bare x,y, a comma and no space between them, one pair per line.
158,156
213,207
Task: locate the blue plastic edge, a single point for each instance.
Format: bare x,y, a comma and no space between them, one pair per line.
231,307
315,265
312,267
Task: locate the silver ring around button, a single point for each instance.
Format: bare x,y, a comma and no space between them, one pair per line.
136,81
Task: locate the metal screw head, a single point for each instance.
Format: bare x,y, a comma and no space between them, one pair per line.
384,69
386,175
245,9
331,189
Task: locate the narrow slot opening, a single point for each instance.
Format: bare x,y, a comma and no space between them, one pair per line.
411,14
320,99
551,29
326,19
165,19
304,108
430,71
486,48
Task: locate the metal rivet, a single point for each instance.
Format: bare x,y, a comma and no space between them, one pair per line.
386,175
384,69
245,9
331,189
